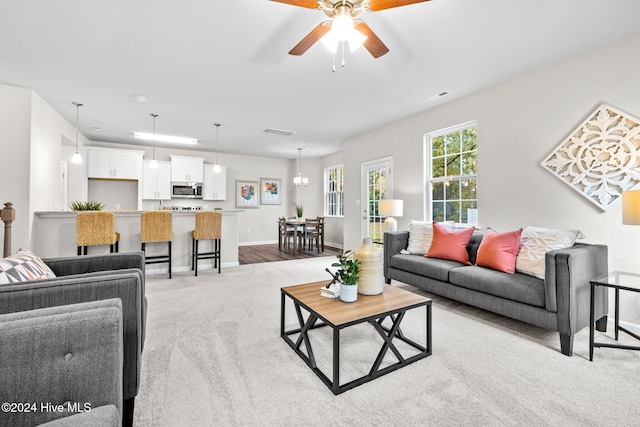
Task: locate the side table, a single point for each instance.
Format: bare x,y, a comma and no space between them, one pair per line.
618,280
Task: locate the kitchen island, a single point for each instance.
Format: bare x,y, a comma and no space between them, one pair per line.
54,235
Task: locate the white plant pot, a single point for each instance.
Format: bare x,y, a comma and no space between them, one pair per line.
348,293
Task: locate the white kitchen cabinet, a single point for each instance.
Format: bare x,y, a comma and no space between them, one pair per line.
187,169
214,186
114,164
156,182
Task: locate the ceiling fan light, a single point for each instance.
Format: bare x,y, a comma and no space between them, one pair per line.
330,41
356,38
342,26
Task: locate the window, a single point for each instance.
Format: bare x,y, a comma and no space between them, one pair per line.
452,165
333,184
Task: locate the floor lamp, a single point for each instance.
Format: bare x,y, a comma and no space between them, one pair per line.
390,208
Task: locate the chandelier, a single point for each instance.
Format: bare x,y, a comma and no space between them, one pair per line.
300,181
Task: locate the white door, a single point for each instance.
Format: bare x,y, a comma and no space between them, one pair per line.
377,184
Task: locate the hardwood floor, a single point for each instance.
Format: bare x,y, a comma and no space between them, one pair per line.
269,253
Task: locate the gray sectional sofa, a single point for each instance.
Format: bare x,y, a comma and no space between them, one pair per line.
560,302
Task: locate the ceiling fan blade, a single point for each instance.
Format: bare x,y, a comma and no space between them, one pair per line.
373,43
310,4
376,5
310,39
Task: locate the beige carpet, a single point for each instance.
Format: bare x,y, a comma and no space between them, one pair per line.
214,357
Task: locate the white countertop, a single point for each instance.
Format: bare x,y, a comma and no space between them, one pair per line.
44,214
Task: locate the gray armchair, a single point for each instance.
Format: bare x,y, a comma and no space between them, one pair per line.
63,365
93,278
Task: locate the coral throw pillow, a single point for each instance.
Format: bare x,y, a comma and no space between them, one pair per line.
498,251
450,244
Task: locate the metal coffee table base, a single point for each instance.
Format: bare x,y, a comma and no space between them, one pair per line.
387,334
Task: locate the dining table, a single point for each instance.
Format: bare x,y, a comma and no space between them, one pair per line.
299,226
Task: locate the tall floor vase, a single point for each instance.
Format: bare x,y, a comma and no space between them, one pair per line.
371,275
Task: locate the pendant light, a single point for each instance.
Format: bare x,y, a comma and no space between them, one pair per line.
77,158
154,163
300,181
216,167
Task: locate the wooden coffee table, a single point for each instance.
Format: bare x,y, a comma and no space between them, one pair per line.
393,304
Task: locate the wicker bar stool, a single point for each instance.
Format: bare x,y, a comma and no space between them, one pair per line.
208,227
95,228
155,227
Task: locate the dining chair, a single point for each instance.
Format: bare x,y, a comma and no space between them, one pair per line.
311,234
321,231
95,228
286,233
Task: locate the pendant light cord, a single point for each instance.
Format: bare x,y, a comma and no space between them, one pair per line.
154,134
78,105
217,125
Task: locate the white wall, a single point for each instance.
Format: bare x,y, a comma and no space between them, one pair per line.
48,132
15,134
519,123
30,139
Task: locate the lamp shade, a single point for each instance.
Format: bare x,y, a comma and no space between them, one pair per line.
390,207
631,207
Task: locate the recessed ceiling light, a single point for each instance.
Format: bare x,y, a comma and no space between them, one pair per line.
98,128
165,138
439,95
138,97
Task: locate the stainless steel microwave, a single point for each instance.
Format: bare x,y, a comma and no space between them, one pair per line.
186,190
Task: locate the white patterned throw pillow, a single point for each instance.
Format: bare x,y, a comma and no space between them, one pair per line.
536,242
421,235
23,266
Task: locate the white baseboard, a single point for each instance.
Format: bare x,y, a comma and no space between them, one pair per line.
165,270
633,327
273,242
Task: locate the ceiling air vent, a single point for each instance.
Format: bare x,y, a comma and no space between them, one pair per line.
438,95
278,131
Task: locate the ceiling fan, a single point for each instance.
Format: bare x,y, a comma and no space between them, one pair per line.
343,26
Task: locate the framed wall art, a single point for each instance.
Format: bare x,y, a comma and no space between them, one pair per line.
599,159
270,189
247,194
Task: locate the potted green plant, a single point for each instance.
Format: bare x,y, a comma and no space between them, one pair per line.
299,209
348,273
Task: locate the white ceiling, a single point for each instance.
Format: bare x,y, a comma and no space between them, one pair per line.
204,61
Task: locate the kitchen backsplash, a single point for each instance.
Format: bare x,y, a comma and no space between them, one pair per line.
114,194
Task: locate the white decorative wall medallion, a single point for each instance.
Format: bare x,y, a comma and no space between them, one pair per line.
601,157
